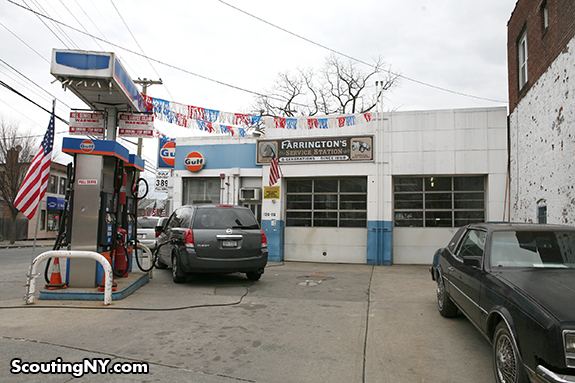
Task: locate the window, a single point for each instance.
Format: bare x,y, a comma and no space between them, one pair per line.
327,202
201,190
472,245
545,16
522,58
52,185
256,208
182,217
42,219
62,185
53,220
542,214
438,201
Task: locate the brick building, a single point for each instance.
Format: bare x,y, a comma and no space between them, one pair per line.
49,210
541,75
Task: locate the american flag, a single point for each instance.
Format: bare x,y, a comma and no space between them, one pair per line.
153,213
274,170
35,182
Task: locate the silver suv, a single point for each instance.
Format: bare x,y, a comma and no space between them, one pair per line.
212,239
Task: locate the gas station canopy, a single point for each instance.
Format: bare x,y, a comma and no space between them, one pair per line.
97,78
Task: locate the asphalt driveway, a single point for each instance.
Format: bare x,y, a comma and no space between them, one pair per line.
301,322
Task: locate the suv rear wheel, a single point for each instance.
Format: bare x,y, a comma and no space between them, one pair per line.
254,275
177,275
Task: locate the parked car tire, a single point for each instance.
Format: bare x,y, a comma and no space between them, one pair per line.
506,361
254,275
177,275
446,307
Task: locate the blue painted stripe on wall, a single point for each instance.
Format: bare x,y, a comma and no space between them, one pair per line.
220,156
379,246
275,236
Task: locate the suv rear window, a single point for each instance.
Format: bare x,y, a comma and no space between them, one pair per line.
223,218
147,223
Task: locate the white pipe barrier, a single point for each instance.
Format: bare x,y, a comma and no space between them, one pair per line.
70,254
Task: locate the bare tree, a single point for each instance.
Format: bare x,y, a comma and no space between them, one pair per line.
337,88
16,152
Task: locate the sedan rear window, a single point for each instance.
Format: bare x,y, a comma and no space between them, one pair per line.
223,218
533,249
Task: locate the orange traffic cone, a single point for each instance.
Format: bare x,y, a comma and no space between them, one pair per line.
102,286
56,278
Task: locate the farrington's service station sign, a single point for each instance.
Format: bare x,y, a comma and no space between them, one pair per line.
316,149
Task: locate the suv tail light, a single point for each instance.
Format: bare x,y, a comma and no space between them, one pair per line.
264,239
189,238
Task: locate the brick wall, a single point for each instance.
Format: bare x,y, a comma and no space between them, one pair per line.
542,145
543,44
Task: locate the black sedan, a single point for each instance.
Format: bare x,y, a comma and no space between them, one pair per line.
211,239
516,284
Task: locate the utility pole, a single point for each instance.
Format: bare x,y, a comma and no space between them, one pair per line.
145,83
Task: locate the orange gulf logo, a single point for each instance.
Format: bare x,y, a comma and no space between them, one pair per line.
194,162
168,153
87,146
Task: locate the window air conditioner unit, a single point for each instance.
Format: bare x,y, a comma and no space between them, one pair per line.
251,194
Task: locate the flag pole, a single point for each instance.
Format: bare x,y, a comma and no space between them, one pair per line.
38,215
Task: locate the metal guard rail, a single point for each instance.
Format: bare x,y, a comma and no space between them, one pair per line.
70,254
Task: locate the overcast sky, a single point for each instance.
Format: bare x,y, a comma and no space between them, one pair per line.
456,45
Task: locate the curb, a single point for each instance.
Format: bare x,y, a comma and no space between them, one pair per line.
17,246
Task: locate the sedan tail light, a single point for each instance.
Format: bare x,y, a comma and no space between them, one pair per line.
189,238
264,239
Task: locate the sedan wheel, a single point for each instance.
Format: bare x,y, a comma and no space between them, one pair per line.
445,305
176,273
506,362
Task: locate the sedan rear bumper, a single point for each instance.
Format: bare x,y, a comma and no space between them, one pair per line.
545,375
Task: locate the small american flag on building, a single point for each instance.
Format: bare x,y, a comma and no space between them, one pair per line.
274,170
35,182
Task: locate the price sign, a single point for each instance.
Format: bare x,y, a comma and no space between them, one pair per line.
162,180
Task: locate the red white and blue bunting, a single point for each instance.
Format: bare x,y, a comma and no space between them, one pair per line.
215,121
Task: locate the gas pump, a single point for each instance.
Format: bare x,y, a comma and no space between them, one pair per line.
127,234
130,211
99,207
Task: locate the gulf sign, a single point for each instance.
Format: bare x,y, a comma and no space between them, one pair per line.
167,153
87,146
194,161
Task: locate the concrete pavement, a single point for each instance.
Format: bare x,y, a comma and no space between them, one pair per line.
301,322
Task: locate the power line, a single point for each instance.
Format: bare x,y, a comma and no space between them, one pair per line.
38,15
150,58
57,26
33,102
137,43
21,74
79,22
23,42
356,59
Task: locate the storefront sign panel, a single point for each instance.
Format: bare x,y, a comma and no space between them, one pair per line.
136,125
271,192
87,123
316,149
